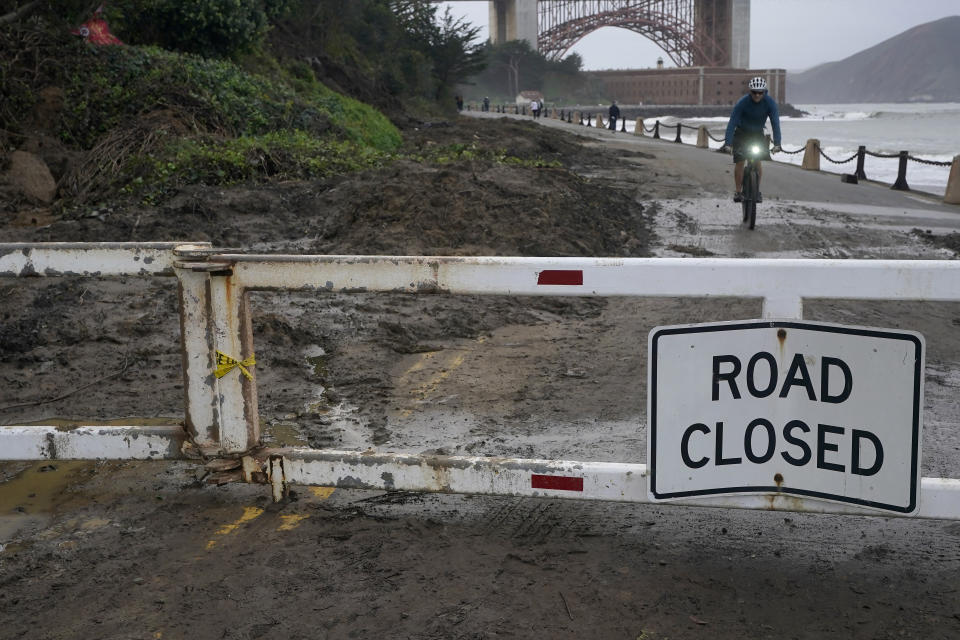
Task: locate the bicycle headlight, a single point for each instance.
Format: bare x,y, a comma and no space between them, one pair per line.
755,150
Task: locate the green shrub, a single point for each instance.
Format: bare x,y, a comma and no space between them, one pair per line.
212,28
107,86
285,155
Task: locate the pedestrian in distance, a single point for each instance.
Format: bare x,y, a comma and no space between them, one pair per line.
745,130
486,103
534,107
459,100
614,114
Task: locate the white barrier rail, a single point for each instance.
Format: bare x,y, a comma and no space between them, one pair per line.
609,481
221,413
92,443
91,258
781,283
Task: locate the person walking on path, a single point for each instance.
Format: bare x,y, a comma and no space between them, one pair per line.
745,129
534,107
486,103
614,114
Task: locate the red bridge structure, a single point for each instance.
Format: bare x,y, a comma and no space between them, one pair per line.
702,33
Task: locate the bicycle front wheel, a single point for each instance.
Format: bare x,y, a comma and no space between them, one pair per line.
746,190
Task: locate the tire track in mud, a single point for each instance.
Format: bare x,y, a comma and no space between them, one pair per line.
535,520
678,531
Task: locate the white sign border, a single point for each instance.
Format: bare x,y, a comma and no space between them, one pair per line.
873,332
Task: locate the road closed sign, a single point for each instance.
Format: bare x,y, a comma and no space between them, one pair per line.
763,407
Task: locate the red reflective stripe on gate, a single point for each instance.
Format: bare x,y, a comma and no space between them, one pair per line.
560,483
560,276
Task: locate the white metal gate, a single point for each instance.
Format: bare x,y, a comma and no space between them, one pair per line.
221,412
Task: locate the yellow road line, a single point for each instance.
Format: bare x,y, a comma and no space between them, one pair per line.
419,364
249,513
292,521
420,393
322,492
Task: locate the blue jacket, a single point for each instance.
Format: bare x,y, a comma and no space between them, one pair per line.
752,116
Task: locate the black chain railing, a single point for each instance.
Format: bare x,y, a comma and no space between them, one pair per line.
720,139
829,159
935,163
859,156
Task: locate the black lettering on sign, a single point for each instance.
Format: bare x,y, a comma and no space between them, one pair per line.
825,364
728,377
772,372
726,368
855,467
685,446
804,447
798,376
748,441
719,449
823,447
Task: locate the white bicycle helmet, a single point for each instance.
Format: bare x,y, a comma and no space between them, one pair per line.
758,84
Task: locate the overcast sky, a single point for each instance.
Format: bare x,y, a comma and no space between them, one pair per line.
787,34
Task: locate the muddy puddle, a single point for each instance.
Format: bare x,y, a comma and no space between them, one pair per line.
31,497
32,491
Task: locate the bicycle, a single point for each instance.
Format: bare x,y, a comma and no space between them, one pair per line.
751,185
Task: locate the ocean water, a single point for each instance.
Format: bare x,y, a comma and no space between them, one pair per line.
927,131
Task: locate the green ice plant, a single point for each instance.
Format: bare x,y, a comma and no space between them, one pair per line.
278,155
109,86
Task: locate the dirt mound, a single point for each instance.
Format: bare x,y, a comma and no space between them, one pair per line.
514,189
478,210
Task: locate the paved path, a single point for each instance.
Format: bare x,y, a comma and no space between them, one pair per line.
804,213
707,171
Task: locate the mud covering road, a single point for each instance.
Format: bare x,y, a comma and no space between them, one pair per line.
149,550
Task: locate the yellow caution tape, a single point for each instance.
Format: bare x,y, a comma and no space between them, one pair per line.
225,364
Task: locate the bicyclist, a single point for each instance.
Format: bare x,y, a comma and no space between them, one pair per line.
746,129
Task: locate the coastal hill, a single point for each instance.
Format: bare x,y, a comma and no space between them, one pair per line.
921,64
